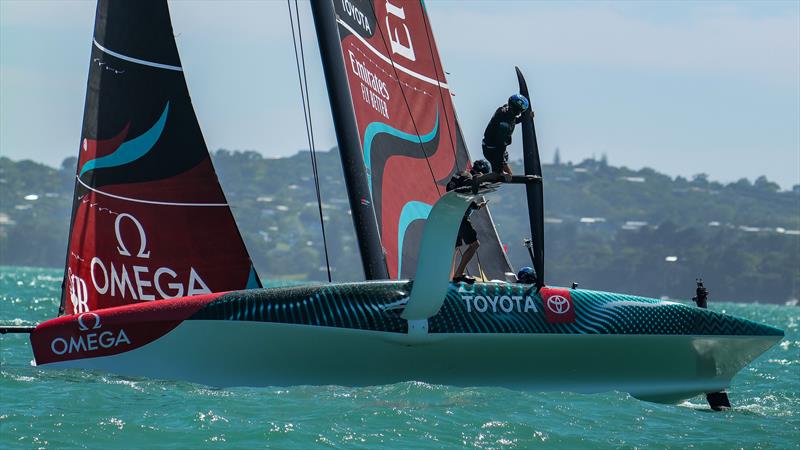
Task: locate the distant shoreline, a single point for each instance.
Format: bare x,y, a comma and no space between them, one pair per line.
608,228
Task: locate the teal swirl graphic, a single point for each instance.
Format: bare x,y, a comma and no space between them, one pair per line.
412,211
376,128
130,150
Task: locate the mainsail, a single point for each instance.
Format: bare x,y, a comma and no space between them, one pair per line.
411,143
149,218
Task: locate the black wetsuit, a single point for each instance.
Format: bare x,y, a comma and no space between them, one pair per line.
498,136
466,232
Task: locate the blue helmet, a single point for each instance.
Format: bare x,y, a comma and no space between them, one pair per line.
481,166
518,103
526,275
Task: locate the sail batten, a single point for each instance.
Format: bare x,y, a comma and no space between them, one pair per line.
389,60
137,60
149,202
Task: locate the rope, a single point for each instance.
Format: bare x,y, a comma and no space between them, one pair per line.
441,94
303,80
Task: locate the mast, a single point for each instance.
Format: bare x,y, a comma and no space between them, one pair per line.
366,224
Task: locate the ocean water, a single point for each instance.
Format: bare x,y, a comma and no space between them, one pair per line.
77,409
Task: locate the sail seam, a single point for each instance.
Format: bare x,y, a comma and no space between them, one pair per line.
137,60
150,202
383,57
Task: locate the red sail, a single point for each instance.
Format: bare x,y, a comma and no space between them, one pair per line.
410,137
149,219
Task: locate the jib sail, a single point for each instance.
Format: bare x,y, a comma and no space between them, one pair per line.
149,219
411,143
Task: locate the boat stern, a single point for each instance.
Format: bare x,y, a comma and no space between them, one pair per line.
711,346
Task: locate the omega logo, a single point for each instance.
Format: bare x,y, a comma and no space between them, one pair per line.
82,325
558,304
117,279
122,249
91,341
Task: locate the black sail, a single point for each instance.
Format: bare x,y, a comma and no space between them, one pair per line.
149,218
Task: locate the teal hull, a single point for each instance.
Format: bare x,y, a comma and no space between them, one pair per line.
482,308
353,335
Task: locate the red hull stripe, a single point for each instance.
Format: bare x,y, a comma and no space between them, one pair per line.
113,330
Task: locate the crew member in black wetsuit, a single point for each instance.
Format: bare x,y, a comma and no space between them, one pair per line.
466,232
498,133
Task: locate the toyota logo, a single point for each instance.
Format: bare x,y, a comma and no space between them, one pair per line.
83,325
558,304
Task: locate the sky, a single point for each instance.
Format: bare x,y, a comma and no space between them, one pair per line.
682,87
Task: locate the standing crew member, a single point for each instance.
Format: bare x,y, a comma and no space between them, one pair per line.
466,232
498,133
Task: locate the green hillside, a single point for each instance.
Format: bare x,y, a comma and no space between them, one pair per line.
609,228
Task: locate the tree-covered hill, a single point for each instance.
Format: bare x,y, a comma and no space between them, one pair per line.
609,228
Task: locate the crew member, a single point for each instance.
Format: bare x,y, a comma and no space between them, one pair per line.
526,275
479,167
498,133
466,232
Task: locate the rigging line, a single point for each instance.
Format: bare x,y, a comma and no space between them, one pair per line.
478,260
405,100
308,101
313,144
309,128
453,140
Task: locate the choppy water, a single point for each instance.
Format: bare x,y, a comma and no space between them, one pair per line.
76,409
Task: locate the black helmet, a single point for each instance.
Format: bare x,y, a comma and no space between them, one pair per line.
518,103
526,275
459,180
481,166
